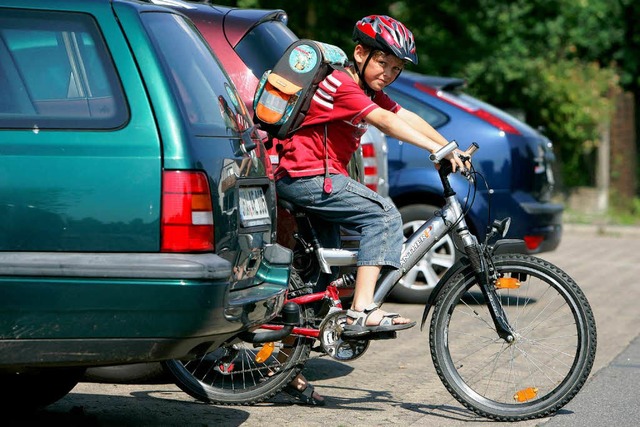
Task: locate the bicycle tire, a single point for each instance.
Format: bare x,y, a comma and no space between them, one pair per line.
542,369
231,375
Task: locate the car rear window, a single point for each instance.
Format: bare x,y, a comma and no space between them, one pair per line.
270,39
56,72
206,96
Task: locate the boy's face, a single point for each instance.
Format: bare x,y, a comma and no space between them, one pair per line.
382,69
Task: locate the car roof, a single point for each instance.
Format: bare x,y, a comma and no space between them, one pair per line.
236,22
437,82
453,89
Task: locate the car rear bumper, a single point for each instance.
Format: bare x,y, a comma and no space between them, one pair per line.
544,225
82,309
539,224
551,234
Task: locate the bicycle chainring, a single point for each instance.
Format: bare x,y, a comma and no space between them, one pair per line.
333,344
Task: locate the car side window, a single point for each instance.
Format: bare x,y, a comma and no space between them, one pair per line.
56,73
432,116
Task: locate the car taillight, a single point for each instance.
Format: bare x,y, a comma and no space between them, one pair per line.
370,166
471,109
187,213
533,241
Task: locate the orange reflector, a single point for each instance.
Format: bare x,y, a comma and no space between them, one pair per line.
525,394
265,352
507,283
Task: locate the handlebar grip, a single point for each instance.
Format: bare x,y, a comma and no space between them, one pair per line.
472,148
443,152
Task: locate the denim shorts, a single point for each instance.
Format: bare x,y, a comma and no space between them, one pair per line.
353,206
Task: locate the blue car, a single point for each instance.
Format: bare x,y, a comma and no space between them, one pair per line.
514,161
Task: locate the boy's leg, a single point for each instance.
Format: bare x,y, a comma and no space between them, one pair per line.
366,278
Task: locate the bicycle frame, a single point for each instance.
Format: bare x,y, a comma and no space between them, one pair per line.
416,246
414,249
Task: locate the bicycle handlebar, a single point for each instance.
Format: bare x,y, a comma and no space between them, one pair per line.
443,152
447,149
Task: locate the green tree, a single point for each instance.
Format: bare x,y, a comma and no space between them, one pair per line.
545,57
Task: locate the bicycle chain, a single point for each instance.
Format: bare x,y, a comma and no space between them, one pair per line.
315,321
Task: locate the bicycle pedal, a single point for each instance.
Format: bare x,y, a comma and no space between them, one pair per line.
384,335
387,335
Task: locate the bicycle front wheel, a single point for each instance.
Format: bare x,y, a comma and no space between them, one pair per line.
242,373
545,365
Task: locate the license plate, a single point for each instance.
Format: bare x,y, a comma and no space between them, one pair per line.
253,207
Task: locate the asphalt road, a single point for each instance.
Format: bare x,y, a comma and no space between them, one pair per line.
394,383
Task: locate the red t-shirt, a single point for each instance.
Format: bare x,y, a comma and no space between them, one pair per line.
341,105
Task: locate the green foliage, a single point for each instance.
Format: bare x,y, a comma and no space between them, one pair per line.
625,213
574,100
544,57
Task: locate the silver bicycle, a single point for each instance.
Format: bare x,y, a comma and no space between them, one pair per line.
512,336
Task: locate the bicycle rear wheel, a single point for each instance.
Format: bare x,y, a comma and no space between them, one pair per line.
242,373
542,369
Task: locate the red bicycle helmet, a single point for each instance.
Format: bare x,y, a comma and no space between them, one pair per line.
387,34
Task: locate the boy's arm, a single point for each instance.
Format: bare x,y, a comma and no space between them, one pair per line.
395,126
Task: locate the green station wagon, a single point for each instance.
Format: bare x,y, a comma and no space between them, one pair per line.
137,203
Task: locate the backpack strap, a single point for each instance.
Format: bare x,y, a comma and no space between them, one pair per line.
327,185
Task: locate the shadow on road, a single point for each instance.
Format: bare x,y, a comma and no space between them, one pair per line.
150,407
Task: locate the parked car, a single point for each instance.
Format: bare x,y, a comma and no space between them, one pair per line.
137,203
514,162
247,42
375,152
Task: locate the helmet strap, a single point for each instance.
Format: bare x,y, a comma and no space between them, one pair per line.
397,76
367,89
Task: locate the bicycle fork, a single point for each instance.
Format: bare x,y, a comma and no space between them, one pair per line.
481,271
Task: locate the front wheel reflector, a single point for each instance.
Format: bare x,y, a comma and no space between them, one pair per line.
507,283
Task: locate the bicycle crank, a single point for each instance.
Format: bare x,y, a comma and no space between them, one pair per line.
332,342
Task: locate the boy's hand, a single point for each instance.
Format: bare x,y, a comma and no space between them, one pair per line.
457,162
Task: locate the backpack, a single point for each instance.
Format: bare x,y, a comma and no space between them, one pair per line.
284,93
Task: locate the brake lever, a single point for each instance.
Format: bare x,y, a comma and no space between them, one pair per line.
467,158
467,174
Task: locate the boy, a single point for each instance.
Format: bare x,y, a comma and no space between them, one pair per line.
341,109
